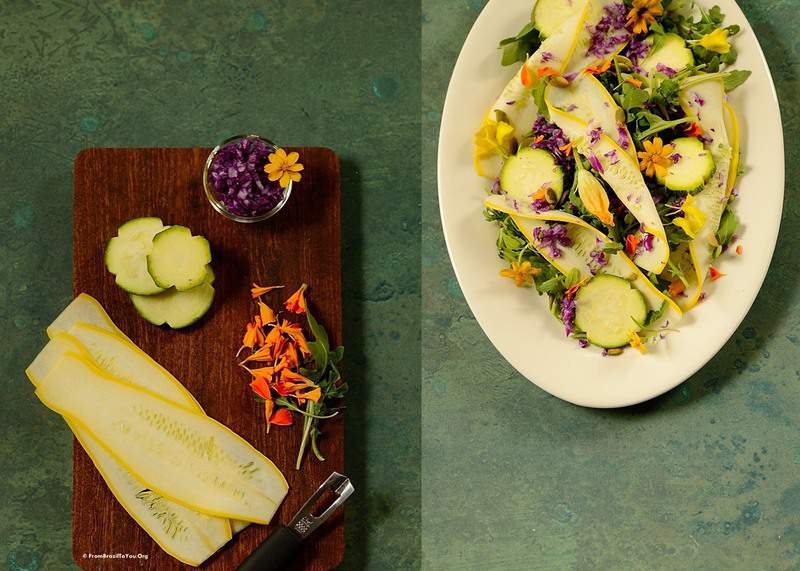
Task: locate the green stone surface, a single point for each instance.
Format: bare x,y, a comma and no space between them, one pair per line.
702,478
164,73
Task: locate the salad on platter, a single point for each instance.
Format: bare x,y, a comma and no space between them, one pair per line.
611,159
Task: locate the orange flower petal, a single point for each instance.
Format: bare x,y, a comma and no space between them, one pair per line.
258,291
313,395
676,287
739,249
261,388
633,81
631,243
297,302
265,313
282,417
715,273
525,75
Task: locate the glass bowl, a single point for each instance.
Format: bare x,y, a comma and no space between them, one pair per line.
219,206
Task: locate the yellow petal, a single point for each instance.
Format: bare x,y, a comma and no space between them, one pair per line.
297,167
292,157
295,176
284,182
594,197
716,41
273,176
271,167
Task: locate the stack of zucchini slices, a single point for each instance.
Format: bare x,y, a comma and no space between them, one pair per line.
165,270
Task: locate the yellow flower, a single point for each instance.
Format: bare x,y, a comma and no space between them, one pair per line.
594,197
655,158
636,343
716,41
494,137
692,220
643,14
521,273
283,167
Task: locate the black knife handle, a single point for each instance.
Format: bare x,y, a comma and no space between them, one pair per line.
275,553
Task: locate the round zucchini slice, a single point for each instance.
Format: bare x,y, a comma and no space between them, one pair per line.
178,259
609,310
126,255
177,308
528,171
692,166
669,51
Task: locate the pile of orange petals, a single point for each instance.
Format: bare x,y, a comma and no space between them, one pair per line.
275,346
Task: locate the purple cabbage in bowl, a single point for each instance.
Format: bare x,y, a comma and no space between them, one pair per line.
236,182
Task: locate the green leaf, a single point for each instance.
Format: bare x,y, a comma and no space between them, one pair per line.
735,78
612,247
317,330
320,355
727,227
572,278
336,355
633,97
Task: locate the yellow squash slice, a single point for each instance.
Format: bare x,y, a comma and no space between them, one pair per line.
179,453
87,321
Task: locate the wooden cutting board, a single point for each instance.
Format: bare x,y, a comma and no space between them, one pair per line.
301,244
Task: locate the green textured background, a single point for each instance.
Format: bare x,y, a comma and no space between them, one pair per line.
703,478
75,74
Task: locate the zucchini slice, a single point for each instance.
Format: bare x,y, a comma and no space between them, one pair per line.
181,454
527,172
177,308
87,321
609,310
549,15
668,51
692,166
621,172
178,259
187,535
126,255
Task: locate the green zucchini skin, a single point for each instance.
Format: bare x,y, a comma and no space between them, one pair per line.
609,311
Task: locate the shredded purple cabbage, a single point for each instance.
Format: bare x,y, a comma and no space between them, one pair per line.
540,205
546,57
612,156
583,343
638,49
647,241
699,100
568,314
596,164
675,157
552,237
597,259
594,135
553,139
666,70
609,32
496,188
624,141
238,179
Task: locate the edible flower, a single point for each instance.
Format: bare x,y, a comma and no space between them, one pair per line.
545,72
297,302
494,137
676,287
525,75
636,343
694,130
265,313
739,250
692,220
594,197
715,273
282,417
631,244
716,41
521,273
257,291
643,14
599,69
633,81
566,148
283,167
655,158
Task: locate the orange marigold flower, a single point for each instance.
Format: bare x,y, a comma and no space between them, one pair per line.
521,273
297,302
655,158
643,14
283,167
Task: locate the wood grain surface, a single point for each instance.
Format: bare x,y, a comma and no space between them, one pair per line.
300,244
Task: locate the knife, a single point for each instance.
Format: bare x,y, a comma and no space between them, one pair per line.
279,548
